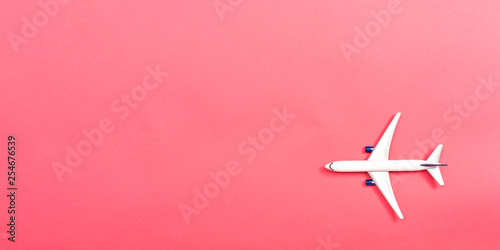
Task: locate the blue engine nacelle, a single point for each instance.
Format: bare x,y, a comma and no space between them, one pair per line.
369,182
369,149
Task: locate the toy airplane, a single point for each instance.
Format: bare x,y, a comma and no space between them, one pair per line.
378,165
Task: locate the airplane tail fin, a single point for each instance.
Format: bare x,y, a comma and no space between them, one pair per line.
434,158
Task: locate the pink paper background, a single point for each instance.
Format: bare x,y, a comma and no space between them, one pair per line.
225,79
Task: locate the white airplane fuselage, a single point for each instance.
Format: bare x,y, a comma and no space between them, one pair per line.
376,166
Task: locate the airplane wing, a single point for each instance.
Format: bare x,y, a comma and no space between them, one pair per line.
381,151
383,183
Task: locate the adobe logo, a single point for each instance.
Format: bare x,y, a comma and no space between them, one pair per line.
40,19
372,28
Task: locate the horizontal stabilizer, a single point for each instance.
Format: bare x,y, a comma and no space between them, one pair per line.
436,154
434,158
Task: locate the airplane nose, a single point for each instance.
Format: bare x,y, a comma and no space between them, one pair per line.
329,166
